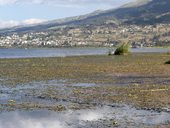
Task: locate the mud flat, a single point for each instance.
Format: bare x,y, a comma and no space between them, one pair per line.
86,91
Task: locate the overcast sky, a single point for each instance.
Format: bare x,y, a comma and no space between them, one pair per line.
17,12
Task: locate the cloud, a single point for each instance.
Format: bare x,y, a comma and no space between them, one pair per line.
32,21
64,2
78,4
12,23
5,2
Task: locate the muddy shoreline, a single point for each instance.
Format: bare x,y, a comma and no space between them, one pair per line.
138,83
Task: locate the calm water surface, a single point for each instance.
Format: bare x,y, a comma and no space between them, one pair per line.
88,118
61,52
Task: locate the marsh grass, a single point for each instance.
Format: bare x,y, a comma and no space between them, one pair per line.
167,62
149,96
84,69
122,50
92,69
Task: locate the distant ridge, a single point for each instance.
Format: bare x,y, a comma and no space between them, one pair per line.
140,12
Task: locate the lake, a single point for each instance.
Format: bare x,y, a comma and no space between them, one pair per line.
62,52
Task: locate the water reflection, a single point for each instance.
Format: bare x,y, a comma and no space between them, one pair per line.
82,118
29,120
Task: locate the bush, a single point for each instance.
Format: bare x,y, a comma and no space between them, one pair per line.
168,62
122,50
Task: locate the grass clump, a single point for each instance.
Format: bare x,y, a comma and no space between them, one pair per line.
122,50
168,62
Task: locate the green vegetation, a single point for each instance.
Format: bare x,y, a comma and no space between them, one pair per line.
122,50
142,96
102,70
93,69
168,62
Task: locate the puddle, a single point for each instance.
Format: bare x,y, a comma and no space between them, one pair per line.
84,84
96,118
30,91
135,79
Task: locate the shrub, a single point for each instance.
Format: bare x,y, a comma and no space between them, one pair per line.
122,50
168,62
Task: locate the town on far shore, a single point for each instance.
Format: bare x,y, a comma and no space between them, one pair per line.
107,34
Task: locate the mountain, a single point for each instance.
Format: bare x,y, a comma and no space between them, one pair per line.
152,12
76,20
140,12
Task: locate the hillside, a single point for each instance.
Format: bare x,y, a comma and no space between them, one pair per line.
141,12
155,11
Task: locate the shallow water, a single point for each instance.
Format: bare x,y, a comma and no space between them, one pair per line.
100,117
50,52
124,80
30,91
62,52
84,84
33,91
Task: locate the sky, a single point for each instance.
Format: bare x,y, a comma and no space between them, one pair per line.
25,12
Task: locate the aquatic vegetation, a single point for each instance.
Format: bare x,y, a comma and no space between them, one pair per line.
11,102
32,106
122,50
59,108
167,62
114,123
139,72
84,69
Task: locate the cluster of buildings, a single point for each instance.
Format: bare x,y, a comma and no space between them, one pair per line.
104,35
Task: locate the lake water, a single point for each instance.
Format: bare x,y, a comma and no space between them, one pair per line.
61,52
